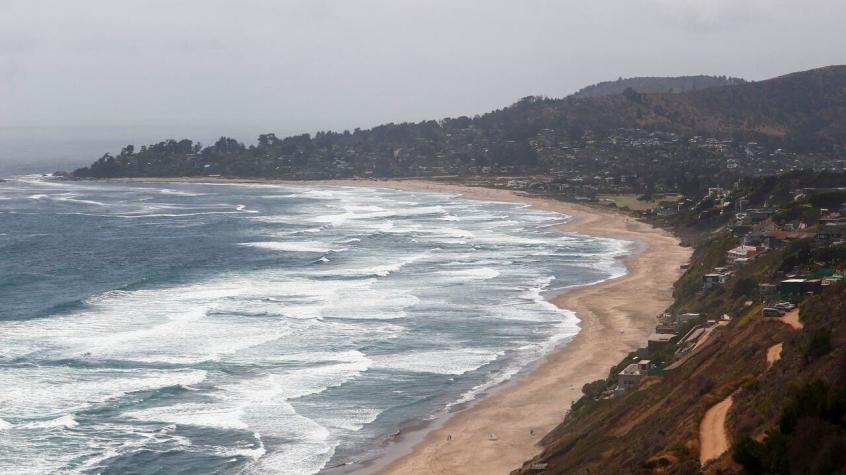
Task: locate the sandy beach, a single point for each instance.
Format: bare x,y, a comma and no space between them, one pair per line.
500,432
616,317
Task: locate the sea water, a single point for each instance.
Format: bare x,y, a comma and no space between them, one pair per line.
252,328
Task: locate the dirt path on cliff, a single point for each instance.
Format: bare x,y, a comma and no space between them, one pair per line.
792,318
774,354
713,437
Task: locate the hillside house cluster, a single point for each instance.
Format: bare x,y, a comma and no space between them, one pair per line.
667,336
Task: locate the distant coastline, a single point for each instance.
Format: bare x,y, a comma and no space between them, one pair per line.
500,432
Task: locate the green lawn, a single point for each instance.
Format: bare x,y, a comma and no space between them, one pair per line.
630,201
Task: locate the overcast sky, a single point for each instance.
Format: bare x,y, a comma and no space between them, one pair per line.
209,67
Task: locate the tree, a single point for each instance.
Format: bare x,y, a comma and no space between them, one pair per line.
267,140
632,95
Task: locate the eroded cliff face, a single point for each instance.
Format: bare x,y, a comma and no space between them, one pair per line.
777,387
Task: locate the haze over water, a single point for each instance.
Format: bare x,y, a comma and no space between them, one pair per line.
266,328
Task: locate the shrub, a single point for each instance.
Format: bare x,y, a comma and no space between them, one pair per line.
744,287
811,429
769,456
819,344
594,389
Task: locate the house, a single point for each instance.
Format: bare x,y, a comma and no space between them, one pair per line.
741,230
777,238
831,234
538,467
693,335
794,287
716,192
518,184
668,328
632,375
760,214
791,286
832,219
768,291
742,252
712,280
671,210
813,286
757,235
686,317
658,341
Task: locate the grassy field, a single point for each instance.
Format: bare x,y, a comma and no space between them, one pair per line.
630,201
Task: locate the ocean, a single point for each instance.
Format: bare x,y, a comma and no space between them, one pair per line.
250,328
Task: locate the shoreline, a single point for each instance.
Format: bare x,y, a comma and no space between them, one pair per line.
616,315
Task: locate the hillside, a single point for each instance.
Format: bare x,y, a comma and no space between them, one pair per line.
802,109
793,119
657,85
733,391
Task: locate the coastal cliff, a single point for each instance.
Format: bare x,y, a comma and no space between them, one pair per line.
740,387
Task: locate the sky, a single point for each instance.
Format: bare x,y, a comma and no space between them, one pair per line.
77,77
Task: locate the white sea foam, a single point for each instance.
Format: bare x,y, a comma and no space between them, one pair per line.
482,273
338,299
167,191
567,328
196,414
441,362
367,213
261,405
285,350
302,246
274,219
351,420
173,215
65,421
253,453
35,392
380,270
73,198
474,392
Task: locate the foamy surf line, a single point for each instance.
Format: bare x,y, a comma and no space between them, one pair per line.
653,263
404,441
484,259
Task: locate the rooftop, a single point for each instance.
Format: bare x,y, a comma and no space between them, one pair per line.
661,337
631,369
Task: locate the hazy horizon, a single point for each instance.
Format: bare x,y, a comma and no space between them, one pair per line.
77,82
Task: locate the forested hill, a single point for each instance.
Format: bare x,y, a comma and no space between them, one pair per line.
804,111
656,85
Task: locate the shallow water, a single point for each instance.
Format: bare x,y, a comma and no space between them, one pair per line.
211,328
